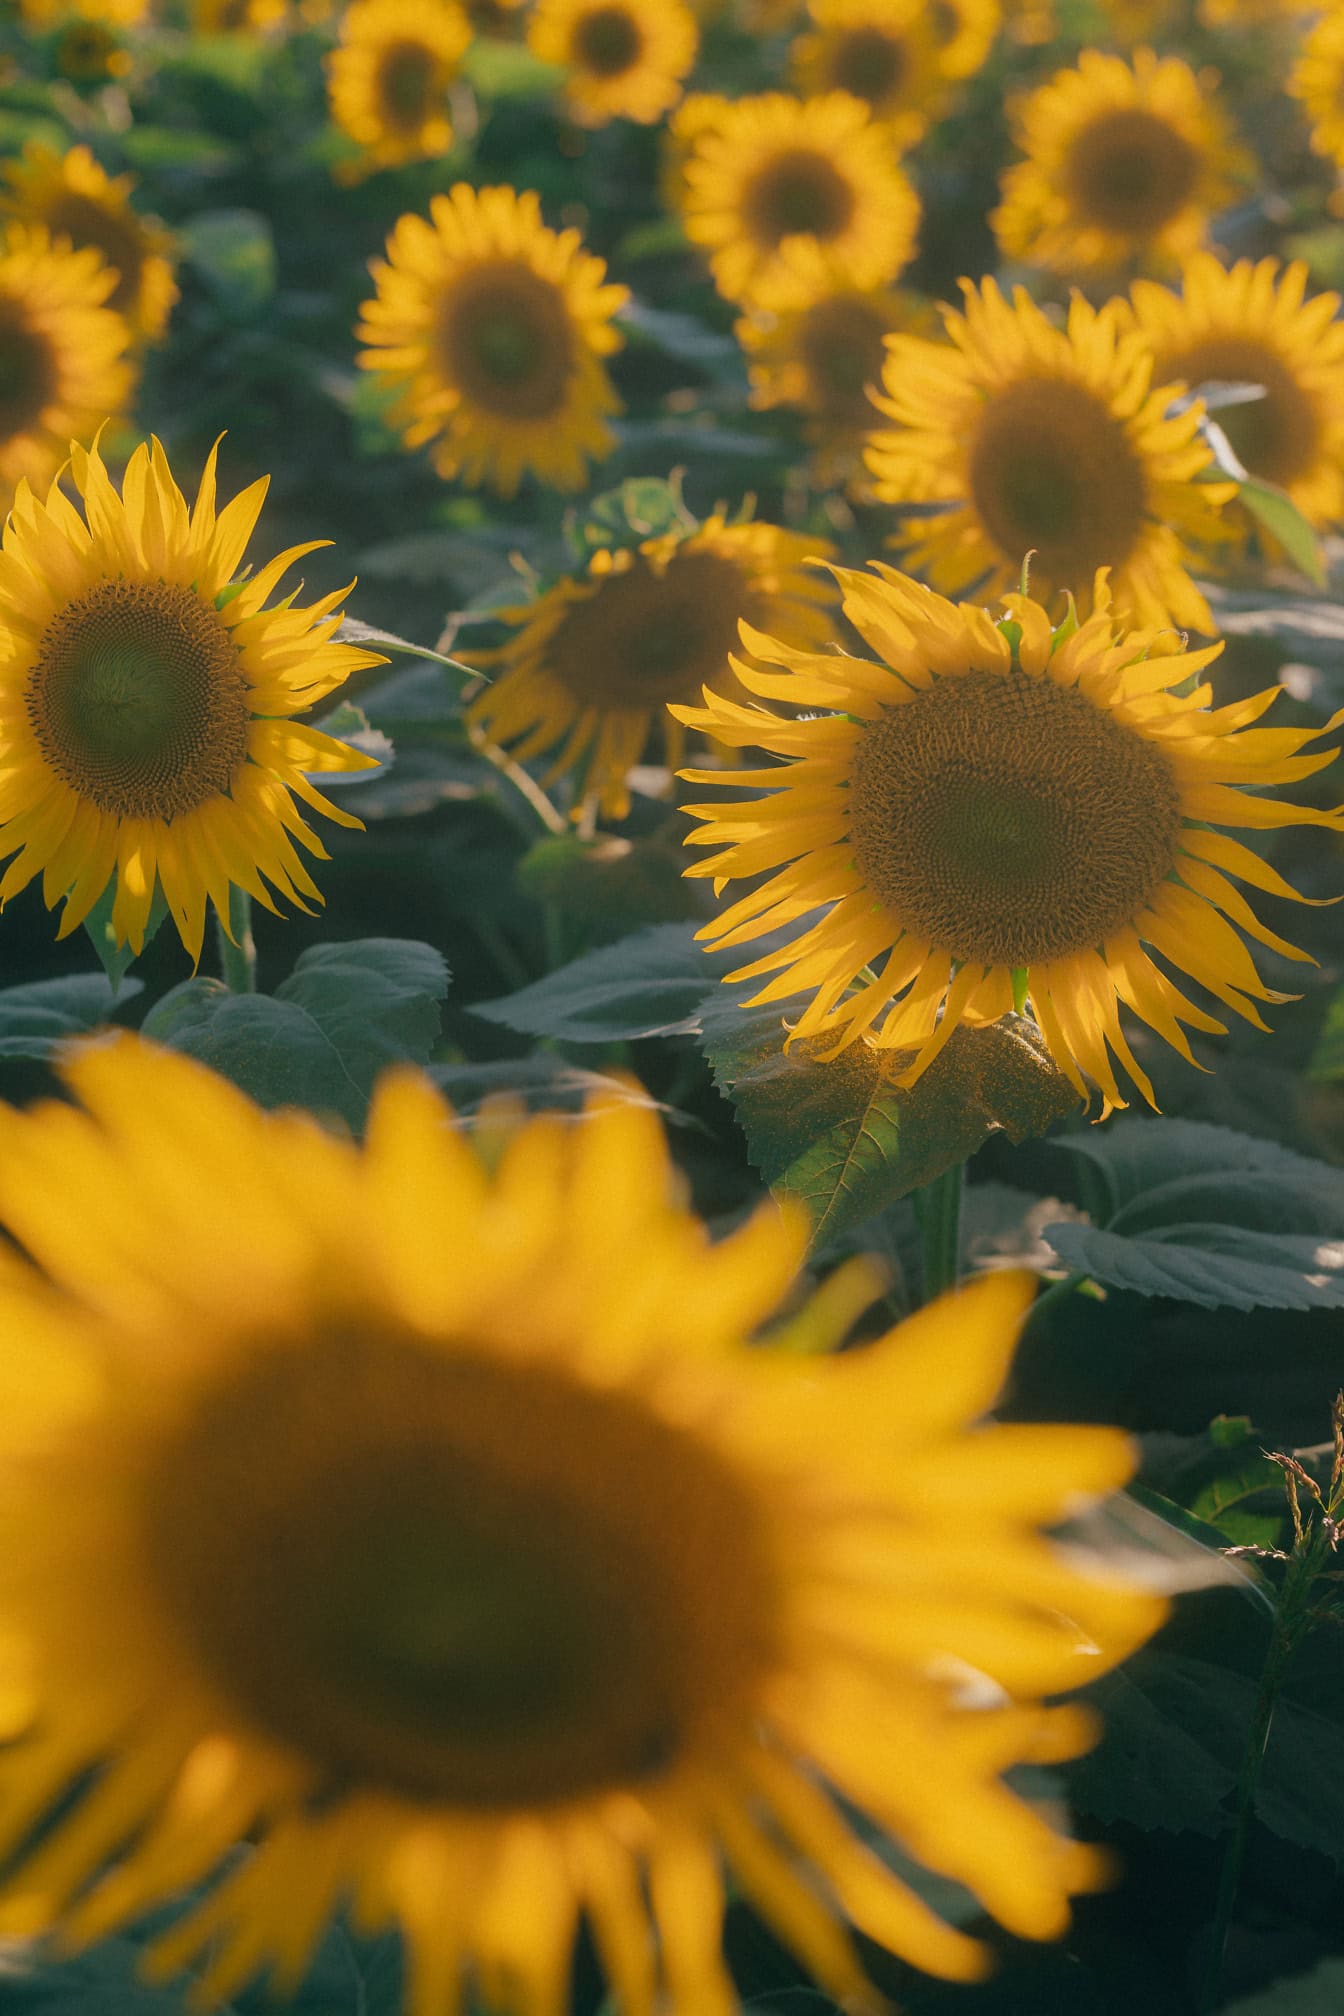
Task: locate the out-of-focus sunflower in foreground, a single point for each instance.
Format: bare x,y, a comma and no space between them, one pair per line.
764,171
146,702
1253,325
64,367
623,59
487,1586
388,79
595,660
997,810
1046,441
492,329
1126,165
73,198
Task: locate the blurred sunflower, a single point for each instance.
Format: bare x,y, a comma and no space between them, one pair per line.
388,79
238,17
492,329
965,31
1253,325
63,353
623,59
1317,82
1126,164
492,1589
766,170
883,52
1051,442
90,52
595,660
698,114
998,810
146,702
74,198
113,13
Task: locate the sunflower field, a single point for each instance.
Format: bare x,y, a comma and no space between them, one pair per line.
672,1031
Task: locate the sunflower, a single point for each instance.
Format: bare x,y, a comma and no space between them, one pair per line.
820,354
885,53
1050,442
490,1588
238,17
493,329
146,702
767,170
63,363
112,13
89,52
1253,325
965,32
1125,165
595,660
623,59
1317,82
997,808
73,198
388,79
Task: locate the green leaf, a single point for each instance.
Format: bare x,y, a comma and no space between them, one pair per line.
350,724
643,507
844,1139
1137,1158
542,1083
37,1017
1214,1266
684,338
1327,1059
1276,511
345,1012
118,959
1224,1480
1319,1993
496,69
352,631
234,253
611,884
1211,1541
649,984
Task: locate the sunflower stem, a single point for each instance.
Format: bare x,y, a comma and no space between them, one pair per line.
938,1208
237,946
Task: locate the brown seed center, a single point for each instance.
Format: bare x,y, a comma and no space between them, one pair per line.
797,192
407,84
27,372
841,342
1053,472
1131,172
607,42
1277,436
870,64
507,341
645,638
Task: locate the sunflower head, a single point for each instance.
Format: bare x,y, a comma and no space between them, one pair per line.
238,17
1253,325
492,329
592,664
389,76
1052,442
492,1590
886,53
994,808
965,31
1125,165
1317,82
623,59
90,52
763,172
74,199
147,708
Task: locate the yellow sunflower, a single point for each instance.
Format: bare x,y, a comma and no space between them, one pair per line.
595,660
238,17
623,59
1051,442
998,808
885,53
1253,325
1126,164
492,329
1317,82
146,708
75,199
112,13
388,79
767,170
63,361
965,31
492,1587
89,52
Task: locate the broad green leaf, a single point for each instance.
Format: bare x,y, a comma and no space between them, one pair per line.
118,959
1223,1479
345,1012
37,1017
1275,510
1214,1266
1317,1993
643,507
1135,1156
611,884
352,631
685,338
649,984
844,1138
234,253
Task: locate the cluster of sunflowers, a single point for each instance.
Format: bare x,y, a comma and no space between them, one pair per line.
415,1516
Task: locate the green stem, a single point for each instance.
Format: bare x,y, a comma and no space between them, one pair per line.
1056,1291
938,1208
238,953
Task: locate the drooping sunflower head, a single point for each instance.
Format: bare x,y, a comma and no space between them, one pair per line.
1126,165
64,367
147,702
1317,82
885,53
389,76
623,59
1253,325
765,171
995,811
490,1588
73,198
1052,442
587,676
492,329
